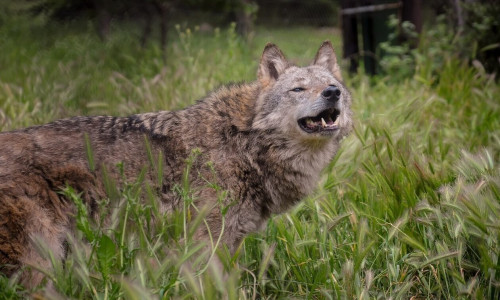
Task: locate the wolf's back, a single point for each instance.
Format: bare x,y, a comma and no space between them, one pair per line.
264,144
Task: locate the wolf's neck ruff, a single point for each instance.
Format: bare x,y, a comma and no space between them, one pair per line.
264,142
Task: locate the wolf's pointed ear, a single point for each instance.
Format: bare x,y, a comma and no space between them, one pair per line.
326,58
272,64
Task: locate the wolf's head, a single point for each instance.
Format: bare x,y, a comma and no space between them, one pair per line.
309,103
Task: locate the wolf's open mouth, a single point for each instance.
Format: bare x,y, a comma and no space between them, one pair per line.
326,121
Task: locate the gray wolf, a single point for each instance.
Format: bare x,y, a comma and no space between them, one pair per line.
267,142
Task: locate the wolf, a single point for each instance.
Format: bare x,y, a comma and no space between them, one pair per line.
264,142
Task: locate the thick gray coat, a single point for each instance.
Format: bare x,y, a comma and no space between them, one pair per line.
249,133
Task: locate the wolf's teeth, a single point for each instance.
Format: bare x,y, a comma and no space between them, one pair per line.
336,123
323,123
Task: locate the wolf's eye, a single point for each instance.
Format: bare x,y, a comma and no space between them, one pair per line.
298,89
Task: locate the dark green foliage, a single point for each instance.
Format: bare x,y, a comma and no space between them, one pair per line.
476,42
481,32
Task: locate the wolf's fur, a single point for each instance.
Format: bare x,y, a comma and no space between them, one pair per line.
249,133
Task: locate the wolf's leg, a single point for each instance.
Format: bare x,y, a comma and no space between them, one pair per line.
46,238
23,225
13,238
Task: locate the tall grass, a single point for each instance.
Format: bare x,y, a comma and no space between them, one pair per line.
409,208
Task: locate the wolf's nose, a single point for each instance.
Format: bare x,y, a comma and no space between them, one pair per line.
331,93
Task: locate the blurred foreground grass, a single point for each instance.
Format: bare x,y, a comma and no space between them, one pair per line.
410,207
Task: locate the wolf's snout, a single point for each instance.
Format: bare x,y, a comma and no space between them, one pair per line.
331,93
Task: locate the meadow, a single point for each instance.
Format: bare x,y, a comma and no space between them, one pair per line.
409,209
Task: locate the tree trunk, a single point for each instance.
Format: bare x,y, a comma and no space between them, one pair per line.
164,12
103,19
245,15
148,26
350,36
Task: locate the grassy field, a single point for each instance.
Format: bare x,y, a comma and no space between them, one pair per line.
410,208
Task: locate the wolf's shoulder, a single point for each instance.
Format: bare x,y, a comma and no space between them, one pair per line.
229,104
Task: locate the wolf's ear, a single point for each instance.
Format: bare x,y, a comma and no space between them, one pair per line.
272,64
326,58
